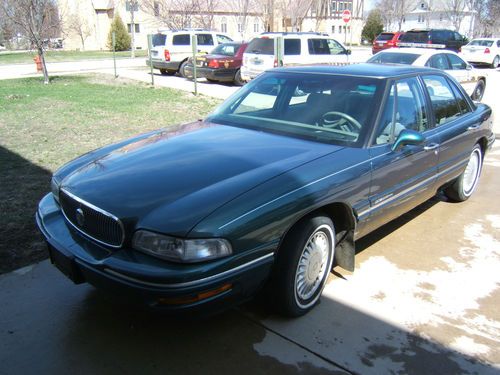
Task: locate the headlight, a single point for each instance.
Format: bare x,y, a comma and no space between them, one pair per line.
179,250
54,187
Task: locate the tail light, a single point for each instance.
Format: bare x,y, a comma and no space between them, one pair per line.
486,50
391,43
213,64
166,53
275,64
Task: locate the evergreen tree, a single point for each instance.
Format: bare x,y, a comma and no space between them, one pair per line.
122,38
373,26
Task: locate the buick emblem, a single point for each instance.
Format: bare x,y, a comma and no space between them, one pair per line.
80,217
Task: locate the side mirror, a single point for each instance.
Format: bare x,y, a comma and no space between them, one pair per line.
348,51
468,67
408,137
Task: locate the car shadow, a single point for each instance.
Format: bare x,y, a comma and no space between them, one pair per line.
23,185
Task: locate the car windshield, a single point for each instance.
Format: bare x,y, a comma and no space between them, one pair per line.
334,109
226,49
385,36
481,42
394,58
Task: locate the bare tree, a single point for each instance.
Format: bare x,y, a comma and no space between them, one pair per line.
394,12
38,20
174,14
241,8
206,17
80,26
455,12
296,10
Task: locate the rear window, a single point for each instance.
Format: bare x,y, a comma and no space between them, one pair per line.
263,46
394,58
440,35
181,40
159,40
481,43
384,36
415,37
226,49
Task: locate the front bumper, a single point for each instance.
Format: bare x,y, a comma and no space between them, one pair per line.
149,281
224,75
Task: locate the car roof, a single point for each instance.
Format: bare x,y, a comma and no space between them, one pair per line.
418,51
361,70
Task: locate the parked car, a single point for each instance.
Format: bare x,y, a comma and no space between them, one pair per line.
386,40
172,48
274,186
221,65
472,80
483,51
303,48
433,38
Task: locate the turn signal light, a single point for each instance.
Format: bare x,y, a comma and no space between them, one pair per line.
166,53
185,300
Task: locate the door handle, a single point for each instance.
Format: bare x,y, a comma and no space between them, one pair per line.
431,146
473,127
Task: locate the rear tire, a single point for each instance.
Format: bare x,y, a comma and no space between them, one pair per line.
237,79
479,91
165,72
466,183
304,262
496,62
181,69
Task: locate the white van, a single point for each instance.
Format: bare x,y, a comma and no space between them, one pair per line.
172,48
302,48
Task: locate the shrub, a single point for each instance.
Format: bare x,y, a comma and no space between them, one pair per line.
122,38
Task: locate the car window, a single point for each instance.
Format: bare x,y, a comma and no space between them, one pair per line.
223,39
319,46
438,61
205,39
498,43
335,47
456,62
460,97
384,36
404,109
394,58
444,104
458,37
159,40
292,46
181,40
263,46
227,49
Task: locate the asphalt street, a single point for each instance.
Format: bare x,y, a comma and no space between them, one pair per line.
423,300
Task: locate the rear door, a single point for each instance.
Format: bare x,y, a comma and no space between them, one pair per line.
205,42
181,47
403,178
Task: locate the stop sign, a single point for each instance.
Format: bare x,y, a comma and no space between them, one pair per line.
346,15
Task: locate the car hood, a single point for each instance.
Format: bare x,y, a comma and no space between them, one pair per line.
171,180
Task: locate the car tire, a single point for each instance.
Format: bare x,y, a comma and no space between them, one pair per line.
181,69
237,78
211,80
303,265
165,72
463,187
478,92
496,62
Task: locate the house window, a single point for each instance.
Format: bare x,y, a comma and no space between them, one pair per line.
223,25
256,27
333,7
132,6
333,29
440,16
240,28
156,8
136,28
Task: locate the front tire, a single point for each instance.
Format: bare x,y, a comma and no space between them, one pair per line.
496,62
466,183
303,264
237,79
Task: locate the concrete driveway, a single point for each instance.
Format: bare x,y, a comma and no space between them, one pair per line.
424,299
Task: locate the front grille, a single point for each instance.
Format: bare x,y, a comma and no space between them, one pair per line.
92,221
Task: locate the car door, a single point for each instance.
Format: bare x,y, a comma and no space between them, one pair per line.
406,177
456,123
326,51
205,42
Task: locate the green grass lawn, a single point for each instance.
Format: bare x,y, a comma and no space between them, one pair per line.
58,56
44,126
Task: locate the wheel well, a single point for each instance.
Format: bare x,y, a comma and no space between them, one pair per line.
344,222
483,143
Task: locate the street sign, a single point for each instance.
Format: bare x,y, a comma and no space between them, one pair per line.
346,15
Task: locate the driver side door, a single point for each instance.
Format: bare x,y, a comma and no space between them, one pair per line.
405,177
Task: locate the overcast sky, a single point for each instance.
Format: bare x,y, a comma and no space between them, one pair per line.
369,4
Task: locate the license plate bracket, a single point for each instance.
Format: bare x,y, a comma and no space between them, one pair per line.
66,265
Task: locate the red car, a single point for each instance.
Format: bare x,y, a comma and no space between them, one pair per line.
222,64
386,40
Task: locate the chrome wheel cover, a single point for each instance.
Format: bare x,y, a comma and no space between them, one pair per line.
314,263
471,172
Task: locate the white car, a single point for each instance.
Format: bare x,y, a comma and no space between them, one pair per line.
301,48
472,80
172,48
483,51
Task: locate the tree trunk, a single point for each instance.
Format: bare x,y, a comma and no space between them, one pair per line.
41,53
